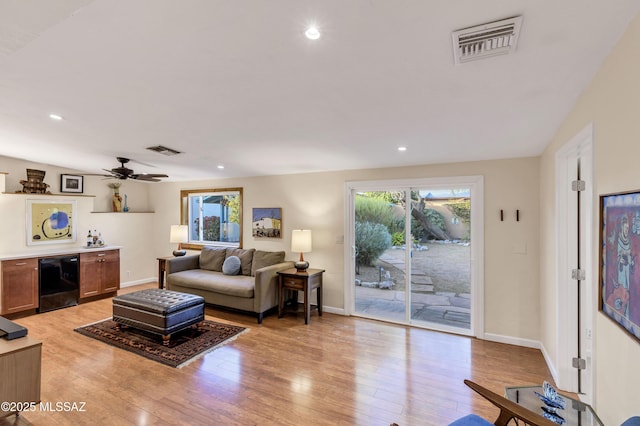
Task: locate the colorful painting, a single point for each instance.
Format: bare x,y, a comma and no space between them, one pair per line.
620,260
50,222
267,222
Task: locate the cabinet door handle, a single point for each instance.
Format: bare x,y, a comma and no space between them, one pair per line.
21,263
100,254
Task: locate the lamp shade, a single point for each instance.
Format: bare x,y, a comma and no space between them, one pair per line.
301,241
179,234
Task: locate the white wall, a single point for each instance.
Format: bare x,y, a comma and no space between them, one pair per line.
612,104
316,201
132,231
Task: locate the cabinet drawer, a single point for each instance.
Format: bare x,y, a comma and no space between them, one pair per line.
293,282
99,256
18,264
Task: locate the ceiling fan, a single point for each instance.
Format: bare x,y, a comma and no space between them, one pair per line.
123,172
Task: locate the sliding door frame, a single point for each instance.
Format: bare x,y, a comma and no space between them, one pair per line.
476,186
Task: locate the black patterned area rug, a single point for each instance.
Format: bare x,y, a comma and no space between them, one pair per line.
184,347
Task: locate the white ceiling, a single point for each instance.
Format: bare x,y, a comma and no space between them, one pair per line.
235,82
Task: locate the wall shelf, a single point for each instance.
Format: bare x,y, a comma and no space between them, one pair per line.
129,212
48,195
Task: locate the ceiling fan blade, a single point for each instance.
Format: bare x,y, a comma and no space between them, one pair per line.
114,174
145,178
98,174
147,175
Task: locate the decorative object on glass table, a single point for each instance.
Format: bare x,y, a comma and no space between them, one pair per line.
551,394
553,403
125,208
551,414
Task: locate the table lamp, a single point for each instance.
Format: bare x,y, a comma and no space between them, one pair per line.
179,234
301,243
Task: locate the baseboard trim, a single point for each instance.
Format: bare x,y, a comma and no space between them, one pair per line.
510,340
550,364
332,310
138,282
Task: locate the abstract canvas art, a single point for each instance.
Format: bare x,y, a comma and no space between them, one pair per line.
50,222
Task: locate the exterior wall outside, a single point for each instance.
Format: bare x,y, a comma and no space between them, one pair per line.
611,103
457,230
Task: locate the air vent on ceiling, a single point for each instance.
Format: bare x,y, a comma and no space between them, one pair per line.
486,40
164,150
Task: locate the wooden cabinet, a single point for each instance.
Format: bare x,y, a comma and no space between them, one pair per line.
19,285
20,372
99,273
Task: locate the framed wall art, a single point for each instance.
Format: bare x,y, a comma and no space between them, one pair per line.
619,294
71,183
267,222
50,222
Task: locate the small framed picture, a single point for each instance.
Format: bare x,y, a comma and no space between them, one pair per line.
71,183
267,222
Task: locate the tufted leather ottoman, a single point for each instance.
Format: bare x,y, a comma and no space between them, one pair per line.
158,311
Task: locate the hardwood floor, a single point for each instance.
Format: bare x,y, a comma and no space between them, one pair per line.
335,371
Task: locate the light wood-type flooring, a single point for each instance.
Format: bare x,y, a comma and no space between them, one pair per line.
335,371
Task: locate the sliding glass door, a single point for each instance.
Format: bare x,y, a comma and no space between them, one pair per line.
412,252
380,259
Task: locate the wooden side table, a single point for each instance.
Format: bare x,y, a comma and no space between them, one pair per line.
291,279
162,268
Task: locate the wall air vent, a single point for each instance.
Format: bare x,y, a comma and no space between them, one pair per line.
486,40
164,150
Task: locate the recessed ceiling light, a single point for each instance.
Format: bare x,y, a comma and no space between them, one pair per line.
220,166
402,148
55,117
312,33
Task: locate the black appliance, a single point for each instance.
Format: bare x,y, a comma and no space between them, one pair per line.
58,279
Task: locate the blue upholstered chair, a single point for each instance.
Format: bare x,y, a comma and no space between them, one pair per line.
471,420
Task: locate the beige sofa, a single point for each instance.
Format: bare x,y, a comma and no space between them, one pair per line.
253,289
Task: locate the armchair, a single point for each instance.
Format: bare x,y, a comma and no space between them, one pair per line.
508,410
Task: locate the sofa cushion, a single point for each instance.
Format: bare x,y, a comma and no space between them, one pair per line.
246,258
216,282
231,265
265,258
212,258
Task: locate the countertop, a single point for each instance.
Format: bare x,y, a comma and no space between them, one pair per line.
58,251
